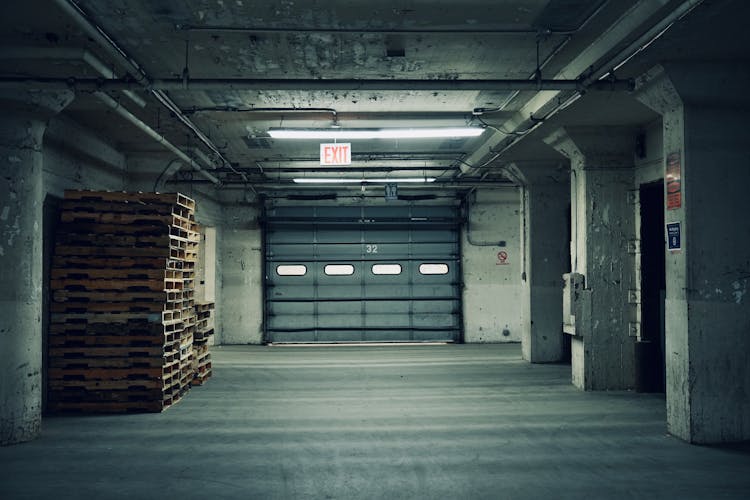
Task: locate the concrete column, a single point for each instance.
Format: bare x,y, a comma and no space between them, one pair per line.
601,162
546,196
704,108
22,126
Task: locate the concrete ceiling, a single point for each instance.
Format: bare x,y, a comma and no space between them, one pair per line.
235,68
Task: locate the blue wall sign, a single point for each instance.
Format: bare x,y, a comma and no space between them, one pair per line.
674,236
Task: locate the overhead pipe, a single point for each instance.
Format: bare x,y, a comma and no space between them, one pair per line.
653,34
133,69
99,36
68,53
358,186
232,109
120,110
595,78
254,84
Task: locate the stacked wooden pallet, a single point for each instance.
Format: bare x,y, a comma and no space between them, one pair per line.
122,309
204,331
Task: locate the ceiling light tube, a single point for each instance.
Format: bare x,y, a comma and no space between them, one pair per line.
375,133
339,180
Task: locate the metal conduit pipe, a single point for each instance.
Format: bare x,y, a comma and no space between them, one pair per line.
120,110
132,67
469,238
103,40
70,53
600,71
244,84
231,109
653,34
171,106
437,186
204,158
616,62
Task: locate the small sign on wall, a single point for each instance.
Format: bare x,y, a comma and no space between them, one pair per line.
502,258
674,181
391,192
674,236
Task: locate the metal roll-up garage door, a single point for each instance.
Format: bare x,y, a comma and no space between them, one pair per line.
362,274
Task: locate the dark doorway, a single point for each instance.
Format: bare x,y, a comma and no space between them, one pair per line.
51,216
653,286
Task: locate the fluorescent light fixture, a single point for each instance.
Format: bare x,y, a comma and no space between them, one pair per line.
339,180
374,133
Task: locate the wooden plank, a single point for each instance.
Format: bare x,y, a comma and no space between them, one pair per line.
107,384
126,206
81,394
160,296
128,262
72,306
201,378
154,285
110,373
109,407
78,250
104,340
127,362
106,352
123,196
117,240
117,274
105,317
202,336
73,224
105,328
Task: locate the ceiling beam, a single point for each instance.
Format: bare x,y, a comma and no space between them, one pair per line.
213,84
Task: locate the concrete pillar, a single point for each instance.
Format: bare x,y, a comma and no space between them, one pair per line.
545,239
601,162
22,126
707,319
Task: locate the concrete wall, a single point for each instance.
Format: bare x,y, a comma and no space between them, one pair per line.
76,158
492,295
707,314
546,248
602,178
242,270
717,242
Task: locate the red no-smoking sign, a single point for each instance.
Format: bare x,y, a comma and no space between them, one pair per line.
502,258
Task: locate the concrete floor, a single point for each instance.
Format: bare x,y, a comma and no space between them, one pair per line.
463,421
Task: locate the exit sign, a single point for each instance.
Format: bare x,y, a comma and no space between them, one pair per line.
336,154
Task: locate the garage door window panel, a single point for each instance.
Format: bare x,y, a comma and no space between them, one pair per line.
291,270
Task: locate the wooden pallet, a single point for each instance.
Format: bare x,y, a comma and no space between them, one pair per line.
107,373
73,306
104,328
107,352
126,262
130,197
126,252
108,296
122,317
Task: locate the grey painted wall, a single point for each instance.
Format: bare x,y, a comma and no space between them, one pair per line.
492,296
